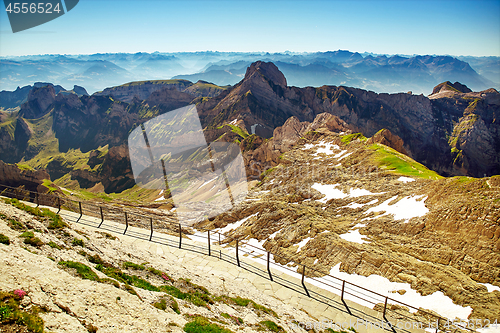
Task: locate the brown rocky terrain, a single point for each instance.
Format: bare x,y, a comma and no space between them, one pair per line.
143,89
451,246
29,179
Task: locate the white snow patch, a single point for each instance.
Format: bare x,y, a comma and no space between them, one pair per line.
340,154
207,182
437,301
235,225
252,128
491,288
354,205
353,236
404,209
233,122
273,234
322,148
359,192
255,242
406,179
161,196
329,191
340,159
302,243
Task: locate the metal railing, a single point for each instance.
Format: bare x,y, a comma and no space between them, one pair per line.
144,228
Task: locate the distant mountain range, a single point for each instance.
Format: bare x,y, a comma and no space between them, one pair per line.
379,73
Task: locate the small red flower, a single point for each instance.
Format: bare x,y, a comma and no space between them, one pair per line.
19,293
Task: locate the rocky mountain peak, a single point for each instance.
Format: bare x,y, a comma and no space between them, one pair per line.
448,86
386,137
39,100
268,70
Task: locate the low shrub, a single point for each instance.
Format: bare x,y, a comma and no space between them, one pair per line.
30,239
129,264
54,245
78,242
272,326
84,271
202,325
4,239
172,303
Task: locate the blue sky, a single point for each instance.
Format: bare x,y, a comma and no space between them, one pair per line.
390,27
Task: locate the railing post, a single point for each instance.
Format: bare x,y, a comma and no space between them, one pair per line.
385,318
58,205
209,252
102,217
180,236
36,199
126,223
151,223
80,207
237,255
303,276
342,297
268,269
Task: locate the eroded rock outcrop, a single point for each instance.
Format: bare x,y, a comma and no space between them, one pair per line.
32,180
385,137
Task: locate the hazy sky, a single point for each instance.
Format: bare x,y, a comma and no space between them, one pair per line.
391,27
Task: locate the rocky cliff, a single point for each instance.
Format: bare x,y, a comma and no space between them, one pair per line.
14,175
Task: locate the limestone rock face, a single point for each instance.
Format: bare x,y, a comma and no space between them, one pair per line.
168,99
385,137
32,180
39,101
126,93
80,91
286,136
448,86
268,70
116,174
455,134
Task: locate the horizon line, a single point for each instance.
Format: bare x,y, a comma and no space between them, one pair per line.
247,52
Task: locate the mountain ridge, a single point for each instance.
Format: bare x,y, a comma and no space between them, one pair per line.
440,132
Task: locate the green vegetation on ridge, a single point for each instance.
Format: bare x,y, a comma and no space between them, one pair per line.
389,159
